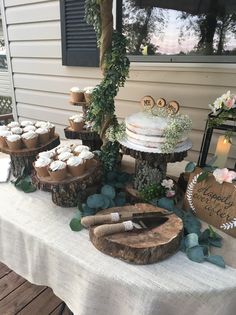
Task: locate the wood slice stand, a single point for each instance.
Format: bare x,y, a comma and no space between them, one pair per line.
89,138
143,246
22,160
150,168
70,191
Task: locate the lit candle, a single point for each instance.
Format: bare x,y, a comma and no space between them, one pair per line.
222,151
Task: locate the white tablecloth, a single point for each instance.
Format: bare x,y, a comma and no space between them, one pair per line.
37,243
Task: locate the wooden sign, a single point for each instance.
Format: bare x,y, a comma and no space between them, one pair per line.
173,107
212,202
147,102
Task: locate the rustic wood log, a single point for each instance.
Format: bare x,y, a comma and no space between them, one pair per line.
88,137
72,190
22,160
141,247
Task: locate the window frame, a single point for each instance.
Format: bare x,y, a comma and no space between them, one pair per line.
169,59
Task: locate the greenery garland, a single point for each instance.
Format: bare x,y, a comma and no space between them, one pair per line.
102,109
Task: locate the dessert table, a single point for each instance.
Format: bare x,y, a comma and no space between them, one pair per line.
37,243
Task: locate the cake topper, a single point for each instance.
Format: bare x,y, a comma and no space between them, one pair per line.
173,107
147,102
161,102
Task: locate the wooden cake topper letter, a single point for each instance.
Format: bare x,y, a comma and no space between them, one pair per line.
173,107
147,102
161,102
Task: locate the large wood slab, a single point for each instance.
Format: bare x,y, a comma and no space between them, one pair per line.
145,247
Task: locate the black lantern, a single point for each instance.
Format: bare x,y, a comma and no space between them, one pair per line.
223,141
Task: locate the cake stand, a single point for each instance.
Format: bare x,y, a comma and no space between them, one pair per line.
72,190
22,160
88,137
150,163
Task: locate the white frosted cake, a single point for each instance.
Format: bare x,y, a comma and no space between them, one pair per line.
151,131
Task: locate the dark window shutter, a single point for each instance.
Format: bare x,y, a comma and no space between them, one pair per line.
79,42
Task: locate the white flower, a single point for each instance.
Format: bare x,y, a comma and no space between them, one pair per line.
167,183
224,175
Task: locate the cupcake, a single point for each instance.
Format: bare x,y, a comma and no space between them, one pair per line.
43,135
25,123
87,156
51,129
17,130
64,156
14,142
79,148
57,170
29,128
78,123
30,139
63,148
47,154
76,95
40,124
87,93
3,135
13,124
41,166
4,128
76,166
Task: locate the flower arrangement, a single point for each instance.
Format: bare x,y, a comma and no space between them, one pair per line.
223,108
224,175
157,191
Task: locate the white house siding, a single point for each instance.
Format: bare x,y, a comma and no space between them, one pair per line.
41,83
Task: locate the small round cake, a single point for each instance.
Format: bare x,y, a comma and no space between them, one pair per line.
146,130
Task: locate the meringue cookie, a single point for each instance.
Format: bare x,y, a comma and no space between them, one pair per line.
29,135
17,130
25,123
13,138
75,161
57,165
42,162
86,155
64,156
29,128
13,124
81,148
41,131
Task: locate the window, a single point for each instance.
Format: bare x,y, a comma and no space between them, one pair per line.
79,42
183,30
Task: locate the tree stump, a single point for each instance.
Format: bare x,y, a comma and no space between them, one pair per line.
72,190
145,246
150,167
22,160
88,137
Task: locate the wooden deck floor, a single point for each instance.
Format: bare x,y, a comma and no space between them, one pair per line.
18,296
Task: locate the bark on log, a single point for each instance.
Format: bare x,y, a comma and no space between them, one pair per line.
106,29
141,247
89,138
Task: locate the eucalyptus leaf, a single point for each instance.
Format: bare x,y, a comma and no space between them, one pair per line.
88,211
202,177
95,201
196,254
216,260
75,225
190,167
107,202
108,191
166,203
30,189
191,240
215,242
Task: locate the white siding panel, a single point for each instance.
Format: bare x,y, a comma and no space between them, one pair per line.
53,67
34,31
50,84
49,11
10,3
47,49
